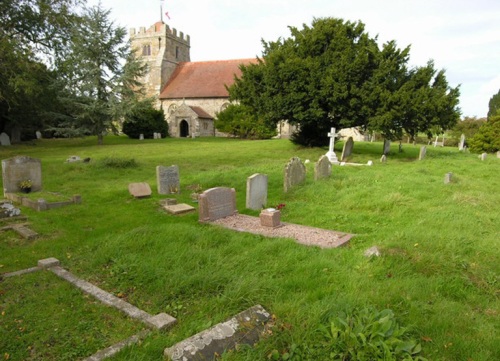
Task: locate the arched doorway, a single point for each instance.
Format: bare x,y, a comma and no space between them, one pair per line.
184,128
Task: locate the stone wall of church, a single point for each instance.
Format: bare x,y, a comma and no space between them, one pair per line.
211,105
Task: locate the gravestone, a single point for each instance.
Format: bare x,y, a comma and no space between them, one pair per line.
295,173
347,150
332,157
158,135
167,179
383,158
256,191
215,203
387,146
139,190
498,154
38,134
18,169
323,168
483,156
447,177
423,152
4,139
461,144
141,136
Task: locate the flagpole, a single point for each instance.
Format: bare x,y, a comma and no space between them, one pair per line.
161,11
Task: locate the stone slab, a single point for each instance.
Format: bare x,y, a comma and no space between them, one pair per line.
139,190
244,328
48,262
161,321
114,349
25,232
179,208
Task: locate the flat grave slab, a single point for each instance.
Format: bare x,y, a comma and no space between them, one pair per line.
139,190
178,208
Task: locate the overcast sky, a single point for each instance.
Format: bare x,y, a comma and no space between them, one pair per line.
461,36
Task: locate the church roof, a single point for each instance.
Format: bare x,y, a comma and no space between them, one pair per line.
202,114
204,79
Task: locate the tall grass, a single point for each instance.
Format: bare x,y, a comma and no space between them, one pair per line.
439,269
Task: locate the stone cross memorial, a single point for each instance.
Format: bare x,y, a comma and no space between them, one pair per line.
18,169
256,191
347,149
295,173
167,179
323,168
332,157
216,203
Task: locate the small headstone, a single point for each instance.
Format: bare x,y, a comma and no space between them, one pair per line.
4,139
461,144
158,135
73,158
483,156
167,179
383,158
372,252
347,150
139,190
179,208
38,134
498,154
307,161
18,169
369,163
141,136
256,191
323,168
423,151
332,157
215,203
295,173
270,218
447,177
387,146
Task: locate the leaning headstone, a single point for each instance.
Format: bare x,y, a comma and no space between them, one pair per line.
461,144
256,191
323,168
243,329
216,203
447,177
139,190
4,139
18,169
483,156
141,136
387,146
383,158
38,134
347,150
423,152
167,179
295,173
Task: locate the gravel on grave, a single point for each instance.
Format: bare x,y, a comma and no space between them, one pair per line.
309,236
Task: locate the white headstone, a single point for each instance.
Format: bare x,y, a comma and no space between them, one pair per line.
4,139
423,151
38,134
461,144
141,136
332,157
256,191
483,156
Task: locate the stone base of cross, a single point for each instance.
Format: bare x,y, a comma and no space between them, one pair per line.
332,157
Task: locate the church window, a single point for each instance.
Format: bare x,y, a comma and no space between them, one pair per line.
146,50
177,52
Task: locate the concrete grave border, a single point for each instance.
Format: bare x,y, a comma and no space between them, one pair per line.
42,204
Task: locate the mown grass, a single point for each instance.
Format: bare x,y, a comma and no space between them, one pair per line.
439,270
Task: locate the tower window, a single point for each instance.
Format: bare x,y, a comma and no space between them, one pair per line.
146,50
177,52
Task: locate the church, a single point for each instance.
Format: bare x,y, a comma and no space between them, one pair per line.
190,93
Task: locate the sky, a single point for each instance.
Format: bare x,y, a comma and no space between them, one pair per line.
460,36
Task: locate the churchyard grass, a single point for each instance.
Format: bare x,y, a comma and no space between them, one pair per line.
439,269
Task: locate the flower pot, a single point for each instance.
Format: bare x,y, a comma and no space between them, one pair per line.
26,190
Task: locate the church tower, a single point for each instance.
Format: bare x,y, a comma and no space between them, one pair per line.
161,49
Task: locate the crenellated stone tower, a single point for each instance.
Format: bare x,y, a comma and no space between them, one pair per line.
161,49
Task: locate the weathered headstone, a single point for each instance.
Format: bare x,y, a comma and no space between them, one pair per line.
256,191
347,149
38,134
215,203
18,169
447,177
323,168
158,135
461,144
423,152
483,156
387,146
167,179
498,154
332,157
295,173
139,190
383,158
4,139
141,136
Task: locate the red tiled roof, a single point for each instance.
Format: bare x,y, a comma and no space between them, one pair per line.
204,79
201,113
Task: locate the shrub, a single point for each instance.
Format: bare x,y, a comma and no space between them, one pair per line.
239,121
146,120
487,138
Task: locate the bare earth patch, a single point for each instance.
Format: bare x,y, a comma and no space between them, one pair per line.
308,236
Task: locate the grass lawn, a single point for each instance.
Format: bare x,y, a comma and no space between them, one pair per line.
438,273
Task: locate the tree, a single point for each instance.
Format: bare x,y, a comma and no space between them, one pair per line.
487,138
239,121
144,119
333,74
494,105
101,73
468,126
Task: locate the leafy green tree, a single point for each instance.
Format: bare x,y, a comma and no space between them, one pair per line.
467,126
240,121
494,105
101,73
487,138
144,119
